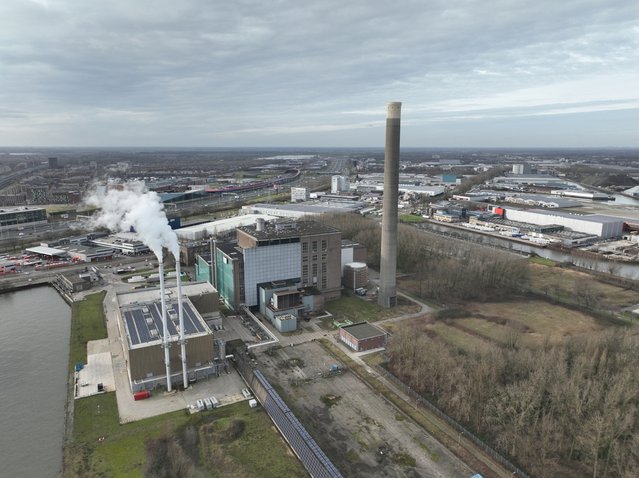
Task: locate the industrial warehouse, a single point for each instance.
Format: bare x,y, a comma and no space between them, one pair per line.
141,323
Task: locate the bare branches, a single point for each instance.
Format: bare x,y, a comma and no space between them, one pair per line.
571,405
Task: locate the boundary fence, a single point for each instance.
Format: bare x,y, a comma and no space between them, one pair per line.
517,472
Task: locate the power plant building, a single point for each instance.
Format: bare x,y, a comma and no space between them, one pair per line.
302,253
141,331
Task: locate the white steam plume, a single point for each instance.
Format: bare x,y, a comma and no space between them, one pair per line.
132,206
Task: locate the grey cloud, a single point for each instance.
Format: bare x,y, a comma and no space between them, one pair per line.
245,73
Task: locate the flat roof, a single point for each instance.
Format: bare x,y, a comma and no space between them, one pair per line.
46,251
363,330
560,201
229,248
153,294
5,209
143,321
283,229
599,218
309,207
222,225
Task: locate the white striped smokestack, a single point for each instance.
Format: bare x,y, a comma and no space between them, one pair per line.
178,274
165,327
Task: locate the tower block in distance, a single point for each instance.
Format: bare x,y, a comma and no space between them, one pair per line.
388,259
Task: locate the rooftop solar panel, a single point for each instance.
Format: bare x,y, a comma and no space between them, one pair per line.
144,321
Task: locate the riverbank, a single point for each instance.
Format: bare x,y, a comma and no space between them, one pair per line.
33,366
517,246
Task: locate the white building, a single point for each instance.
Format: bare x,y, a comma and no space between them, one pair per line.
522,168
202,231
339,184
123,242
595,224
299,194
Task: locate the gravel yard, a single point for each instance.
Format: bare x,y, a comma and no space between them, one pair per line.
362,433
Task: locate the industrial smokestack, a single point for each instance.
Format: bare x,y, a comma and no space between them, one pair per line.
259,224
165,327
388,262
185,377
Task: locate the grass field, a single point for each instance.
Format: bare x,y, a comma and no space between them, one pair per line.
411,218
357,309
563,283
457,337
534,320
225,442
542,261
87,323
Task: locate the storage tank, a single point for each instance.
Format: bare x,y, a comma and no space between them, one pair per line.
221,350
355,275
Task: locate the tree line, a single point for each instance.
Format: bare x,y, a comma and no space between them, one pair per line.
567,409
446,269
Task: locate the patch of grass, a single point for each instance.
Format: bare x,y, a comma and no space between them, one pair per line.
403,459
542,261
330,400
373,359
433,455
456,337
352,456
87,323
541,318
411,218
400,417
487,329
358,310
452,313
94,417
561,284
225,442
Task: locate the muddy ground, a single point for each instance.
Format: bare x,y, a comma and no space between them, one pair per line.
362,433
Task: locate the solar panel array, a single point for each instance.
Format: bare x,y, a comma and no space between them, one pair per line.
305,447
144,322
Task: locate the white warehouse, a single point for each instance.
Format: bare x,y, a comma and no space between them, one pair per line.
596,224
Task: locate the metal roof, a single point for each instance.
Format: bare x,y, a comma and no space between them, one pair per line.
281,229
144,321
47,251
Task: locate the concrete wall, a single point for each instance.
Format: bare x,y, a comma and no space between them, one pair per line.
150,359
269,263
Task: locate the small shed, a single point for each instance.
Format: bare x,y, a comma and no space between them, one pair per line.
362,336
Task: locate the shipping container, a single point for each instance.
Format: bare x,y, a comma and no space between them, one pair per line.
144,394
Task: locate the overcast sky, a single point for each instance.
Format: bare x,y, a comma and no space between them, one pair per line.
318,73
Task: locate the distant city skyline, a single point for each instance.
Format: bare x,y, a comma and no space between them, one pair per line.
194,73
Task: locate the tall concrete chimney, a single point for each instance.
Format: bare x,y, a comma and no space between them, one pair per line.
388,259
